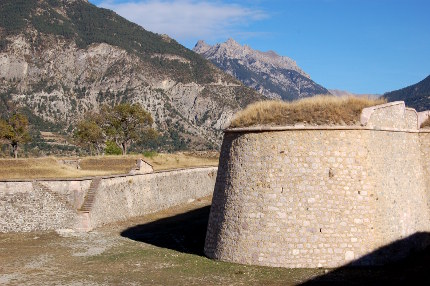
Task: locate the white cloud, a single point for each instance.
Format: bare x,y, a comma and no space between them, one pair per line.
188,20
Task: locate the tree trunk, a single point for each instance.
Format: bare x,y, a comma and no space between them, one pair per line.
15,150
124,148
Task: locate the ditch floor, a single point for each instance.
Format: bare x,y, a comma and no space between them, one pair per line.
165,248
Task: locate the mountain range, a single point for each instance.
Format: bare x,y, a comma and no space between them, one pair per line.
62,58
337,92
272,75
416,95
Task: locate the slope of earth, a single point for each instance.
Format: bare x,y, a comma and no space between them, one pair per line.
62,58
416,96
268,73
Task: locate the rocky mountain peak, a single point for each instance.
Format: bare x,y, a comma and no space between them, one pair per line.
232,43
272,75
234,50
201,47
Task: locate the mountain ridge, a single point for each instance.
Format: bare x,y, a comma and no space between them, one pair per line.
274,76
62,58
338,92
416,95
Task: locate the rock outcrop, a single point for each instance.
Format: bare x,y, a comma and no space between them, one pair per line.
60,59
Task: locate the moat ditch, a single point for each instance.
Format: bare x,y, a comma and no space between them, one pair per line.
165,248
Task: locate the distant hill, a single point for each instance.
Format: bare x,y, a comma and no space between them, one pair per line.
270,74
337,92
62,58
416,95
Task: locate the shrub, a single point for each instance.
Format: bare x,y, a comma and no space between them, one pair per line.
150,154
317,110
112,149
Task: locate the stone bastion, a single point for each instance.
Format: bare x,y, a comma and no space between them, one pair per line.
314,196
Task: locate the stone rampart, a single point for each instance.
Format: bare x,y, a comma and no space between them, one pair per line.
54,204
321,196
143,194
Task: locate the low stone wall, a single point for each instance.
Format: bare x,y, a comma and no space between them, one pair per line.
24,206
129,196
321,196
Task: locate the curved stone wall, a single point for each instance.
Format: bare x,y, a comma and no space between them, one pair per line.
319,197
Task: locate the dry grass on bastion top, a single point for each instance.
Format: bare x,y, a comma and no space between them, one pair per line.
426,123
50,167
317,110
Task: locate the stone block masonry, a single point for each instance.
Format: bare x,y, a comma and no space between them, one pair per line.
305,197
55,204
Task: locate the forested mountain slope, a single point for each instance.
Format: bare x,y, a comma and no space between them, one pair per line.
62,58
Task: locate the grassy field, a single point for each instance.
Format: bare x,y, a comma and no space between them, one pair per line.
51,167
317,110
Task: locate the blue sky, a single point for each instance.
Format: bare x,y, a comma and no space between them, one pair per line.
361,46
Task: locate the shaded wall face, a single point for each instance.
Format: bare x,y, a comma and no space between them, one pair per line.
400,191
425,161
315,198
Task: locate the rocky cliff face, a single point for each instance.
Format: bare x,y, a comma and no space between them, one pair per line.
270,74
62,58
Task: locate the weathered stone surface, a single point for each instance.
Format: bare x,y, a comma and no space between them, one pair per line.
124,197
320,198
142,167
24,208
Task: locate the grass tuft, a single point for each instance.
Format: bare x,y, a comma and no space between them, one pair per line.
426,123
317,110
50,167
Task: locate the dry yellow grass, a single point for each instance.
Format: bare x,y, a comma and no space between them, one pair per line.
426,124
318,110
50,167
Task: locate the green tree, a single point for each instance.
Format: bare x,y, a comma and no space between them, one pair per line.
89,134
5,131
15,131
124,124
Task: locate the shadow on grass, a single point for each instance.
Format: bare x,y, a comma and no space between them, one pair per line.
183,232
405,262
